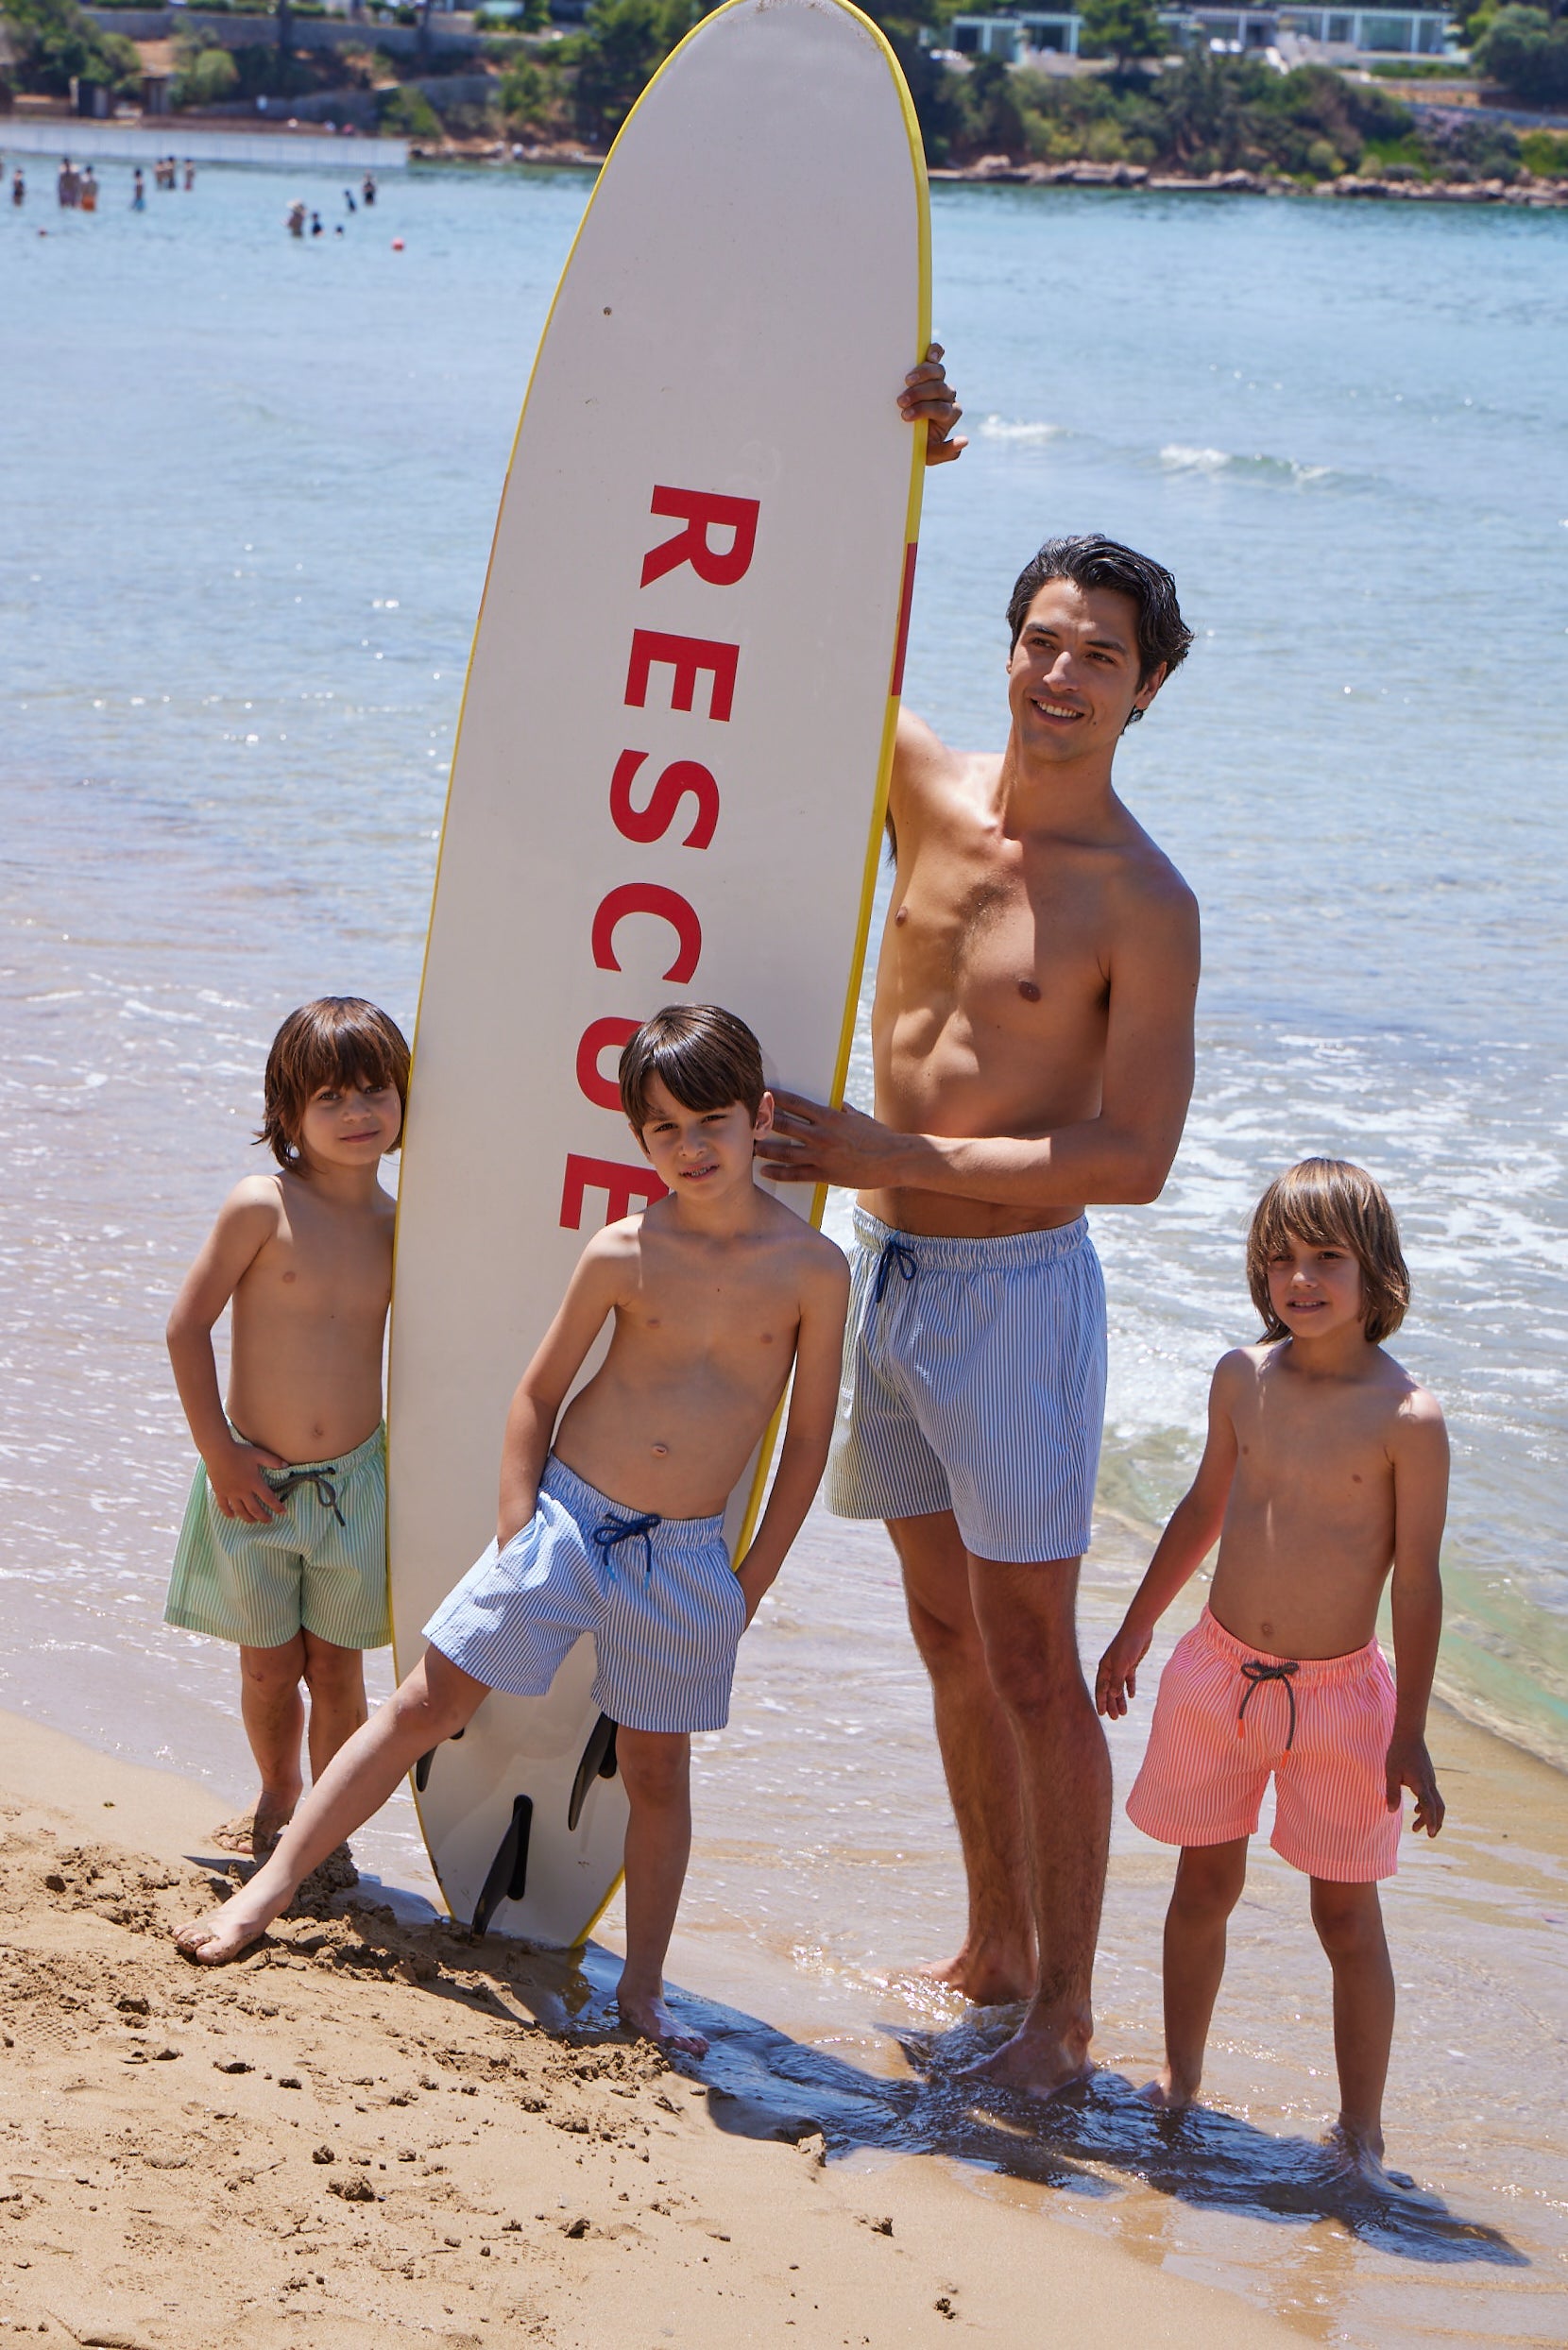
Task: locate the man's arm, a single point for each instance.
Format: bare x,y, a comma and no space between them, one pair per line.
591,1293
1421,1503
808,1431
1121,1156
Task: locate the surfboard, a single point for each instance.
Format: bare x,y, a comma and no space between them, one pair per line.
668,786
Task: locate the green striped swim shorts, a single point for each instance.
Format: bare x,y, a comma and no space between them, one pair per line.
322,1567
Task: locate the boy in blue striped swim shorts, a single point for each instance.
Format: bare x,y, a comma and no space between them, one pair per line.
284,1546
611,1511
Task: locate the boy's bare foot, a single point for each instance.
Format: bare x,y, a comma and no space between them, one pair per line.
990,1976
227,1932
1168,2095
1041,2059
1359,2154
254,1834
653,2020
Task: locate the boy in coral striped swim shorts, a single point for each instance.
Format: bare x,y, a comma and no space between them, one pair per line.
1326,1467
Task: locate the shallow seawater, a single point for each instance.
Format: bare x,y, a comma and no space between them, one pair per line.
248,511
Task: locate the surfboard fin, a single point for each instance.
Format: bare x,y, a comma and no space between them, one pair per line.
508,1877
598,1762
421,1768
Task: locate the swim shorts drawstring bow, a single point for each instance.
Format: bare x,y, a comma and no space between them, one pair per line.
326,1492
894,1253
609,1531
1254,1673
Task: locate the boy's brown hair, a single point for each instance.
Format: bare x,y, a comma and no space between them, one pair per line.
338,1040
703,1055
1329,1203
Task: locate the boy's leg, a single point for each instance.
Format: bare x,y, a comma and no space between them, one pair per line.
1349,1919
1210,1878
435,1699
273,1713
655,1766
335,1678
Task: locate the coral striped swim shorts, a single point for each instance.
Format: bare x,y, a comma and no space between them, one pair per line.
1228,1718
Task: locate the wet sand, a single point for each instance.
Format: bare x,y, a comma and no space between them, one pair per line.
367,2133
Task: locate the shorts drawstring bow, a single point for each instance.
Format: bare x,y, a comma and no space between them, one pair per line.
894,1255
1254,1673
612,1531
321,1480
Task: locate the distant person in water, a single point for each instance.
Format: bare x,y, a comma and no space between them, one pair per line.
284,1546
1326,1466
88,194
315,224
19,187
137,190
348,200
296,219
190,175
367,187
611,1511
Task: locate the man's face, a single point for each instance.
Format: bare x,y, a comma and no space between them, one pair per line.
1073,675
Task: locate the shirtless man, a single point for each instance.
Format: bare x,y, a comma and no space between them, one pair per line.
1033,1036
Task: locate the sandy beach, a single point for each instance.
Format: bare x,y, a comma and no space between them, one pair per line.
371,2133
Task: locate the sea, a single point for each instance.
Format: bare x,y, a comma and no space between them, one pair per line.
248,492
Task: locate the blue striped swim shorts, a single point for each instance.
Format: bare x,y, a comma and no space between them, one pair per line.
974,1380
657,1594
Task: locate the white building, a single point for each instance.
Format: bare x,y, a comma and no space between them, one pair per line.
1377,32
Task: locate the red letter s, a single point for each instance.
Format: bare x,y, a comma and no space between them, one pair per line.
654,820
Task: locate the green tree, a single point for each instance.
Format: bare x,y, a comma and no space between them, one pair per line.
207,74
53,42
621,46
1523,50
526,94
1124,29
996,124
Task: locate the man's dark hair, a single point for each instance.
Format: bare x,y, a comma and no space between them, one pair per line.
1093,561
704,1057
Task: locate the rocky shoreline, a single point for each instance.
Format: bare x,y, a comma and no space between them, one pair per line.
1527,190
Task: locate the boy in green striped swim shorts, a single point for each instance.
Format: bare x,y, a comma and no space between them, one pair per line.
284,1546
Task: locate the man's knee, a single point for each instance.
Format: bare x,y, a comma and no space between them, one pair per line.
1034,1669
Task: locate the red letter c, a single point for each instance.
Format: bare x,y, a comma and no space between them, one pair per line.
648,897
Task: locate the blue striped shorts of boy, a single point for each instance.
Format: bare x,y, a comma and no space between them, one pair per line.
658,1595
974,1380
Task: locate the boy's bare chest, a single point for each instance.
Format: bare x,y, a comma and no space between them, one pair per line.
1316,1448
326,1266
743,1321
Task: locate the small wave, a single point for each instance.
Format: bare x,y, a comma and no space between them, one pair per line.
1179,457
1003,428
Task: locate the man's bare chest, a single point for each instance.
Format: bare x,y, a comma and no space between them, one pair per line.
1000,931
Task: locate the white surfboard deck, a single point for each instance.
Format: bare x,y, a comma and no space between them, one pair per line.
667,785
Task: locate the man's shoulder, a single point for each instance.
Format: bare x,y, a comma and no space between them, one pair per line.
1149,879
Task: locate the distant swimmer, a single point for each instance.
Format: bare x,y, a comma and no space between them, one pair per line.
367,187
296,219
19,187
89,193
282,1551
348,200
68,185
315,224
190,175
137,190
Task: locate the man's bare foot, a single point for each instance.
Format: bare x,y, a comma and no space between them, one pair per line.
994,1977
653,2020
1167,2095
1041,2059
227,1932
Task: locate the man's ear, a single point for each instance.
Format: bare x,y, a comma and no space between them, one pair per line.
762,1123
1146,693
